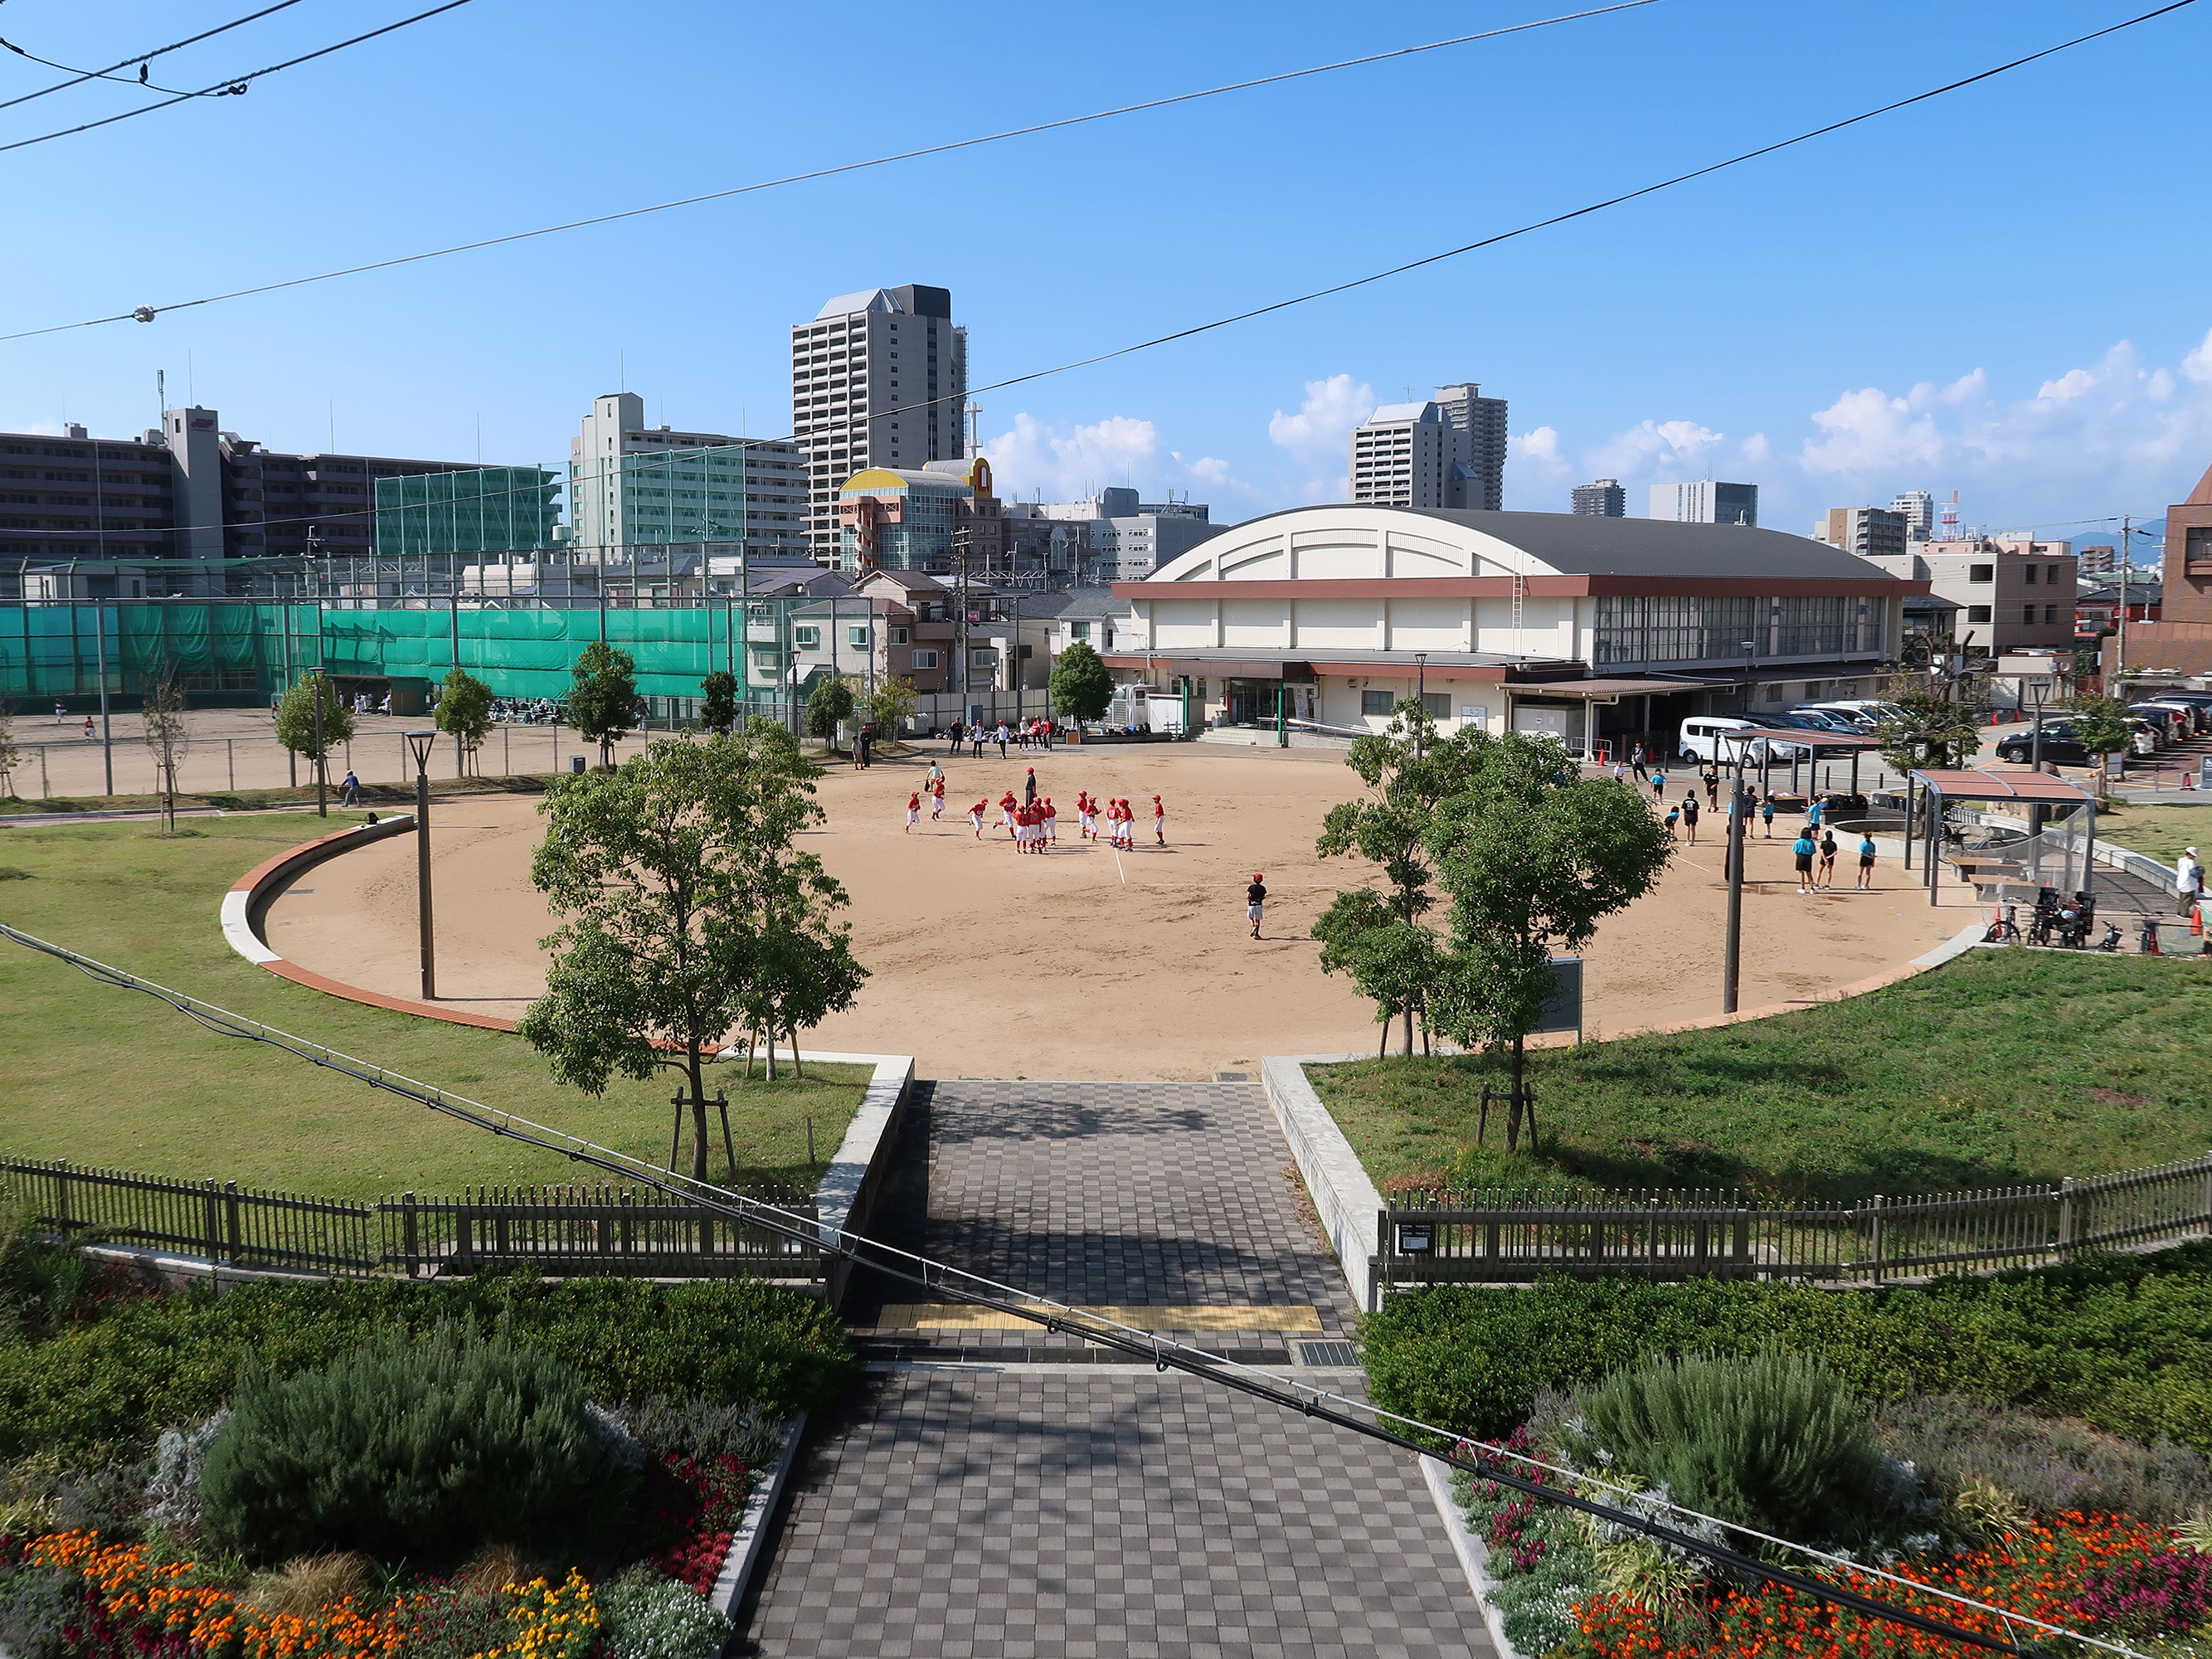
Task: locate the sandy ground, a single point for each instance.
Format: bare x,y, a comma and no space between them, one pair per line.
1084,963
229,748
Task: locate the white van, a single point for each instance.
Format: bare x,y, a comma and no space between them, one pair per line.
1868,712
1701,741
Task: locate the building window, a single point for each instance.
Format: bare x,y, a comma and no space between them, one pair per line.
2027,574
806,638
1977,613
766,662
1674,629
2051,613
856,635
898,636
982,658
1437,704
1078,630
1376,703
2051,574
1981,572
923,658
2028,613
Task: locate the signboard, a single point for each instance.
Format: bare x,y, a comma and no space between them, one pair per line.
2205,782
2116,766
1563,1011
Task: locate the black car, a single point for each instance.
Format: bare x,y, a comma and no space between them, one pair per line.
2060,747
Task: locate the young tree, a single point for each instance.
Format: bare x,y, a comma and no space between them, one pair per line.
1933,730
1532,857
1080,686
687,907
295,722
603,697
1406,771
464,711
718,701
894,700
830,702
10,755
166,736
2101,726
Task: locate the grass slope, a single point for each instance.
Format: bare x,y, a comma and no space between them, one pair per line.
2159,832
2005,1068
111,1077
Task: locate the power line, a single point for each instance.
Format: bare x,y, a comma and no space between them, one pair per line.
142,57
1198,329
147,313
1055,1317
236,84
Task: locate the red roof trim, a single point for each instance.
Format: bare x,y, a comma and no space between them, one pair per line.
1498,587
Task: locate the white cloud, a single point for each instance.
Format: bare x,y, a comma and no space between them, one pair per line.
1067,466
1207,469
1655,448
1538,451
1320,432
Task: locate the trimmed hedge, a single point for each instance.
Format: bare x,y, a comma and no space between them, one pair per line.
116,1383
2122,1342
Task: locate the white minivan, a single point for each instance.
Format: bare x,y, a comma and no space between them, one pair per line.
1701,741
1868,712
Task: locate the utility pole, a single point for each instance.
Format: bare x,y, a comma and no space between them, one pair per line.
2120,646
1732,955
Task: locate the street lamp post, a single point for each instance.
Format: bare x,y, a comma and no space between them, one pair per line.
1420,696
1739,817
420,744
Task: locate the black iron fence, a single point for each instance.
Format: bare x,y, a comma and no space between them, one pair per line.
560,1231
1502,1235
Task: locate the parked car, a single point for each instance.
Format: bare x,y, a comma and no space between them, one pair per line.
2147,738
1831,719
1701,740
1865,712
2166,722
2060,746
2195,717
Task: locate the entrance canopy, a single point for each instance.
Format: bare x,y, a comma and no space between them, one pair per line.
2037,792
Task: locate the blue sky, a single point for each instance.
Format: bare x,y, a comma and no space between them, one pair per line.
2001,293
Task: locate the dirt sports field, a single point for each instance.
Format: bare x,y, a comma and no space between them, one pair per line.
1084,963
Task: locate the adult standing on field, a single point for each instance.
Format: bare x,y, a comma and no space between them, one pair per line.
2188,881
1002,736
1635,761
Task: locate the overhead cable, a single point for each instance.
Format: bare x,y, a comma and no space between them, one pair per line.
233,85
1056,1317
147,313
83,76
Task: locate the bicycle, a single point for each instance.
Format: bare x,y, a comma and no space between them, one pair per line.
2006,929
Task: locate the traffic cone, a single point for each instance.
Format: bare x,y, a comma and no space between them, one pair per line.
2196,920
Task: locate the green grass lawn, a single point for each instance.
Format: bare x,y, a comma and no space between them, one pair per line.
2159,832
115,1078
2003,1068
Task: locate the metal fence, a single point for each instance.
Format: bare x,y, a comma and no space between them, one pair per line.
1514,1236
560,1231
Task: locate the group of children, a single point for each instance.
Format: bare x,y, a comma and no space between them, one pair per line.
1031,821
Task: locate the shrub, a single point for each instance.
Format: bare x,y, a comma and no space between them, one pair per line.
136,1369
702,1430
645,1616
2123,1342
407,1447
36,1605
1774,1441
2049,1465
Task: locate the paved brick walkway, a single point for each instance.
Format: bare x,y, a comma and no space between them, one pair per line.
1044,1511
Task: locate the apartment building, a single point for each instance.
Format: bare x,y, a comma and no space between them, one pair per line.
1604,499
182,498
879,378
1868,532
1447,451
630,484
2013,593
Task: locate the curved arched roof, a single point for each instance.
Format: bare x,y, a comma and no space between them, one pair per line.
1453,541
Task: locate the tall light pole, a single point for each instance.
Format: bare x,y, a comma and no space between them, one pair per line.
420,742
1732,952
1420,696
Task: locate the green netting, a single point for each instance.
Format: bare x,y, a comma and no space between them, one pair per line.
49,651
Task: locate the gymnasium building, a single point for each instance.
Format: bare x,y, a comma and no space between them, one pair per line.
1595,629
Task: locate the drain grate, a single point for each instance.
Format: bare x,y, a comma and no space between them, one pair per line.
1326,1353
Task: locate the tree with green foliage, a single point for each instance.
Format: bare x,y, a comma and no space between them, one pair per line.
1532,856
718,701
1932,729
465,712
2102,726
603,697
829,704
894,702
295,721
1080,686
1382,942
687,911
166,738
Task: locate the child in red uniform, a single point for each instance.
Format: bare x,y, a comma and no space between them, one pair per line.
1159,822
1006,811
975,815
1051,821
937,800
913,812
